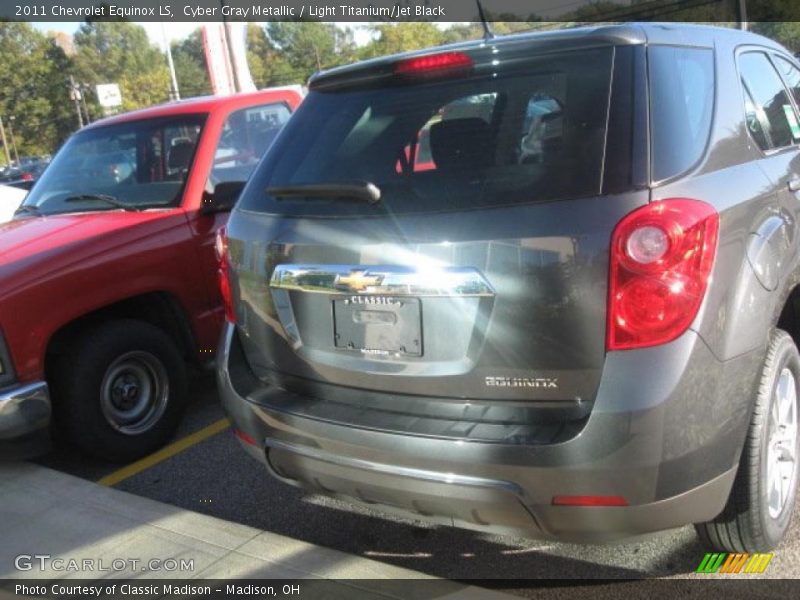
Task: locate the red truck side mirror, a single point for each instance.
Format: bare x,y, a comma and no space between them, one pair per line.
223,198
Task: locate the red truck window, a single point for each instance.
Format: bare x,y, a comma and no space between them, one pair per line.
141,164
246,135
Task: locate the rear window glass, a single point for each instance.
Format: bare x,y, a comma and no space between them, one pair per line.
448,145
682,102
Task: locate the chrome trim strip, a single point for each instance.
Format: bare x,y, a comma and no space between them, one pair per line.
382,280
407,472
24,409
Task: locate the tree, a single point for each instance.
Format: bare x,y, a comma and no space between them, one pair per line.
33,90
119,52
307,47
461,32
391,38
190,66
785,32
268,66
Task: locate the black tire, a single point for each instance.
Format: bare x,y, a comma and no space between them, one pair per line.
102,389
746,523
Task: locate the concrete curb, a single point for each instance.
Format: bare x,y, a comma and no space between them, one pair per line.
43,511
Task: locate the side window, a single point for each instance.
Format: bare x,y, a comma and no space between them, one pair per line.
682,103
770,103
180,143
246,135
754,117
791,75
162,154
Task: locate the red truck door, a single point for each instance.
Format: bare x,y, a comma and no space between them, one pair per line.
244,135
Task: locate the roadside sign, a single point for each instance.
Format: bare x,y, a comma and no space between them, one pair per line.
109,95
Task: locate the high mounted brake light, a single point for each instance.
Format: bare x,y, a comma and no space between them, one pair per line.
661,260
433,65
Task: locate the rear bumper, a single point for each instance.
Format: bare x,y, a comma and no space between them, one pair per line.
485,504
24,420
666,439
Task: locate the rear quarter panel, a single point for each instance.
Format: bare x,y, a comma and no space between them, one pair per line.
739,310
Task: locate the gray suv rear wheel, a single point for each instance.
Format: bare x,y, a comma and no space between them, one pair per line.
762,500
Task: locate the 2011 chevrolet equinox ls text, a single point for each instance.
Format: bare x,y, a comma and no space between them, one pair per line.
544,283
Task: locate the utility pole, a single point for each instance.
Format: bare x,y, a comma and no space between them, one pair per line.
743,15
5,144
229,45
83,102
11,120
174,92
74,94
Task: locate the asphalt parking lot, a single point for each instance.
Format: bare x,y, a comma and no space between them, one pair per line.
210,474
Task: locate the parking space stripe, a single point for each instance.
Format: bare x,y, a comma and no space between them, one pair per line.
166,452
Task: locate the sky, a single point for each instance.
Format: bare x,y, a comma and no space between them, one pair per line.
175,30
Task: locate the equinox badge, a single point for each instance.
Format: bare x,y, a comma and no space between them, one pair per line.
530,382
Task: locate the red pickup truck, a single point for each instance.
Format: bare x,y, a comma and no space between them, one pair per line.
108,274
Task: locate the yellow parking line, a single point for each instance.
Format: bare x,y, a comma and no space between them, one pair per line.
165,453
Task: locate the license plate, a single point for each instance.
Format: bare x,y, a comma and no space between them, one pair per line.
379,325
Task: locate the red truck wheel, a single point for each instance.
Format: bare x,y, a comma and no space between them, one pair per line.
121,393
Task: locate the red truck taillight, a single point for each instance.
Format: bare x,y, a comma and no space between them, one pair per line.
223,274
660,264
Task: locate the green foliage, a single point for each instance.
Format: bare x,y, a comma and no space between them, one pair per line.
120,52
775,12
461,32
190,66
268,66
391,38
32,90
304,48
786,32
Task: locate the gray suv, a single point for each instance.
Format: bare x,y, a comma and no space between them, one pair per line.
544,283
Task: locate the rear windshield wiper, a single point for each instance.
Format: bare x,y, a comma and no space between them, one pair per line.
357,190
28,208
102,198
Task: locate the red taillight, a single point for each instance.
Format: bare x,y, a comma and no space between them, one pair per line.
446,63
589,501
223,274
26,176
661,260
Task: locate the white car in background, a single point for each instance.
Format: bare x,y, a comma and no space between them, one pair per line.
10,199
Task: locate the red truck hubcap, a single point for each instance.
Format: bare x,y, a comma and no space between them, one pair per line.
134,392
